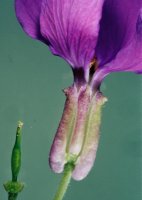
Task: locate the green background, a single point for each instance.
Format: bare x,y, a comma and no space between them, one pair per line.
31,83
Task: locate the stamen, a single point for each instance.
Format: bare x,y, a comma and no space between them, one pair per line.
94,64
93,67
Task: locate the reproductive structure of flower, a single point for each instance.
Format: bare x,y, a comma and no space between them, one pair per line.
95,37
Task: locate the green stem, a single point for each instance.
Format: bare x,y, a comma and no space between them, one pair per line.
64,183
12,196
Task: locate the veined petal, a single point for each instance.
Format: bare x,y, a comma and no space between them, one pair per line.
128,59
72,28
119,46
28,12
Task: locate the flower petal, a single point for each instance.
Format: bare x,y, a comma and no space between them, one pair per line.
119,46
28,13
128,59
72,28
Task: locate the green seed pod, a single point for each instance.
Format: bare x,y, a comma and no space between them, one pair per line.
16,154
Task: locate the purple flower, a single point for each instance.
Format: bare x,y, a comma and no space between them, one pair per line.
96,37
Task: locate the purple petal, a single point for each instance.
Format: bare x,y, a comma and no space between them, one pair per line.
119,46
72,28
28,13
128,59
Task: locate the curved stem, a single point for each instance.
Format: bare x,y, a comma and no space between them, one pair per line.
64,183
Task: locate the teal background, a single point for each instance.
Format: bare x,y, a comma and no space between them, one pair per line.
31,83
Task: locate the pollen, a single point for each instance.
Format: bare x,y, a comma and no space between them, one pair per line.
94,64
93,67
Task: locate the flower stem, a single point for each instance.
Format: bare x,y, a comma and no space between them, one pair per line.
12,196
64,183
